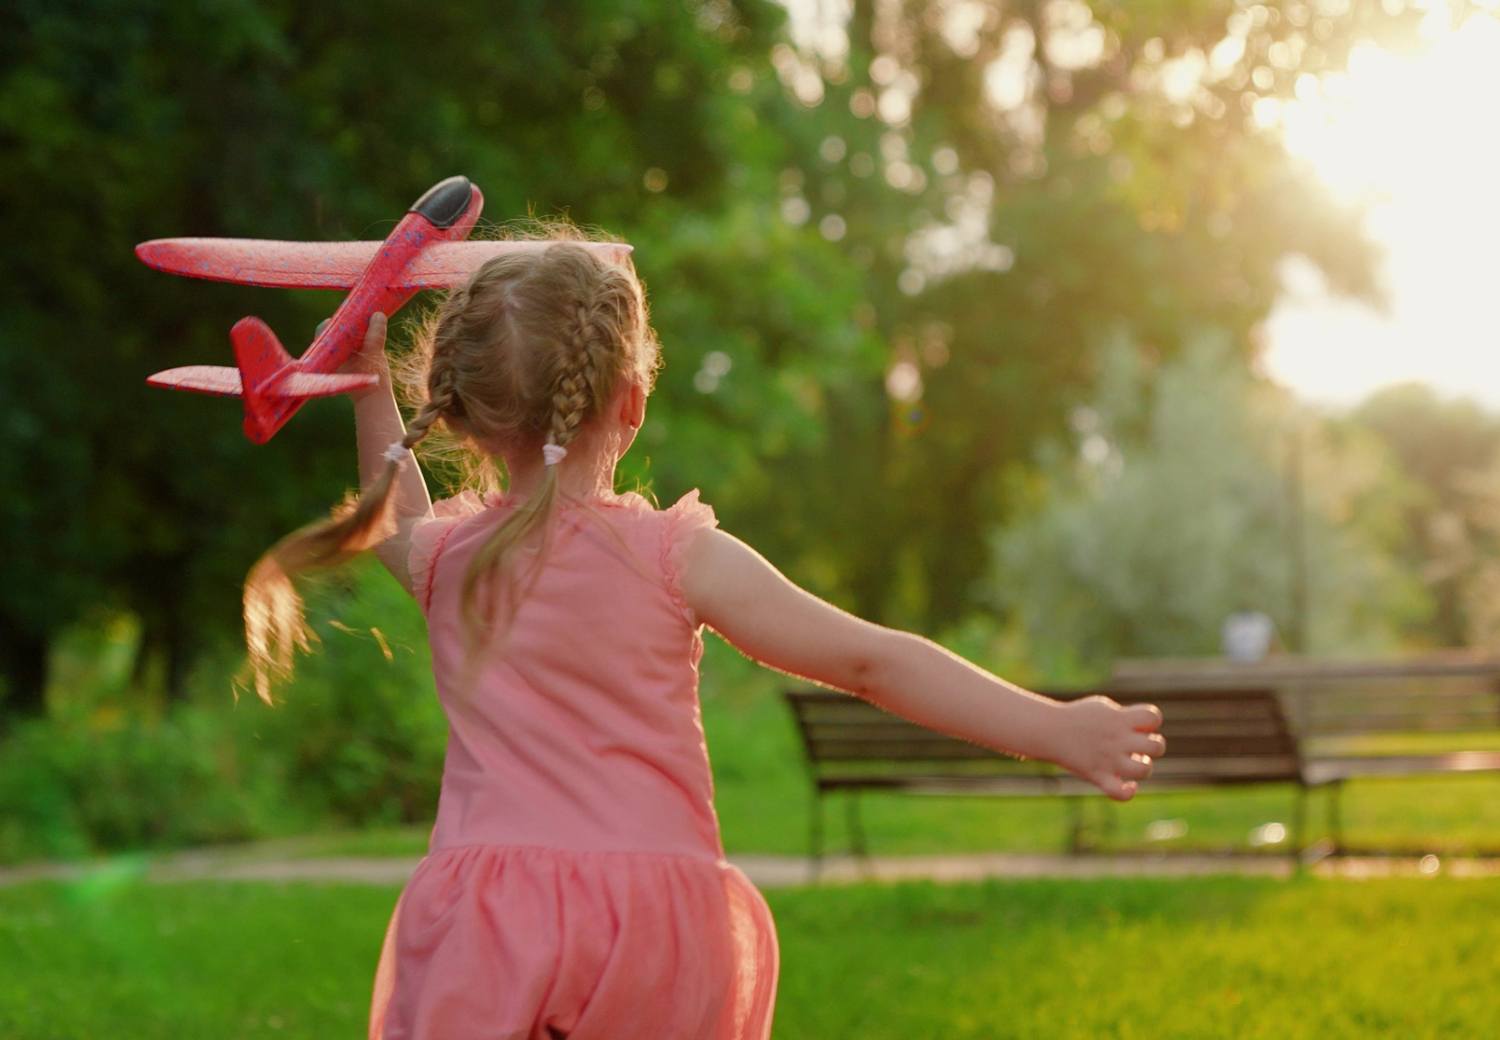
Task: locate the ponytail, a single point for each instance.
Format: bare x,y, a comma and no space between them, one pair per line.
490,589
275,626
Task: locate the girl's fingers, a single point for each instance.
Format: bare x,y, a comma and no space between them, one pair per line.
371,354
1153,744
375,333
1144,717
1117,787
1135,767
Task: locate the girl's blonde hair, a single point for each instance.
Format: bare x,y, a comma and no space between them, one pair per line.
528,351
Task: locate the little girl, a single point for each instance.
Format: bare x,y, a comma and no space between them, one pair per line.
576,885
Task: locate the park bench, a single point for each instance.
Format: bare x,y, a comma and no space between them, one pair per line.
1215,737
1292,722
1431,715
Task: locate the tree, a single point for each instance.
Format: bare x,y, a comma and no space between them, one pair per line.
1193,492
127,121
1071,172
1450,450
878,280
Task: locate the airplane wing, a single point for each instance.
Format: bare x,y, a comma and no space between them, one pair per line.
202,379
450,263
322,384
328,265
226,382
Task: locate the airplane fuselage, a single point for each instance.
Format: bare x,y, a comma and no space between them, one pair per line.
446,213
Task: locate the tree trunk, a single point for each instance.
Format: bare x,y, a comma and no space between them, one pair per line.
162,660
23,662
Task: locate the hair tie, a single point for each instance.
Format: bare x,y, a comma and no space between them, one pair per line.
552,454
397,452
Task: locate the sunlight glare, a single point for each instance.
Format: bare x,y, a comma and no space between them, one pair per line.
1411,137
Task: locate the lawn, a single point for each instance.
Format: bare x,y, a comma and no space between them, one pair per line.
1206,957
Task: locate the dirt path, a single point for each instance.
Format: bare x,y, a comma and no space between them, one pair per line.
768,871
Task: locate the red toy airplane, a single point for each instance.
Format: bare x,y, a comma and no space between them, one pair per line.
425,251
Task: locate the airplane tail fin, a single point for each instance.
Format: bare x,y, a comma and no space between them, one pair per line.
260,356
258,353
273,383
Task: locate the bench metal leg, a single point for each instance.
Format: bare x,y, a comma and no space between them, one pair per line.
816,838
1076,844
1336,816
1299,825
856,826
1109,820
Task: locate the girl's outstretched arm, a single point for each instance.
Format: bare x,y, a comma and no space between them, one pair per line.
377,425
737,593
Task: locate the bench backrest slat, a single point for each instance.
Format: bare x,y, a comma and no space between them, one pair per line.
1214,735
1442,693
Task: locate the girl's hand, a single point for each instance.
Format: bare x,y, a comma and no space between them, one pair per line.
371,355
1108,745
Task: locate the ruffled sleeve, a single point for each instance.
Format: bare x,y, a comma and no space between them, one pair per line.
428,536
684,519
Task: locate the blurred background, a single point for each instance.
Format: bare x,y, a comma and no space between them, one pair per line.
1059,332
1067,333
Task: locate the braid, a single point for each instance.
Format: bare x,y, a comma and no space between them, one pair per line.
531,348
442,399
579,381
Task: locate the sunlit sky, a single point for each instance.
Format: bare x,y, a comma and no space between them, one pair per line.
1416,137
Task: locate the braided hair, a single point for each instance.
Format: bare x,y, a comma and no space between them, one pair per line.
527,352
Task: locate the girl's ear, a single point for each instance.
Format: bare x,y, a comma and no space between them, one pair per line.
633,404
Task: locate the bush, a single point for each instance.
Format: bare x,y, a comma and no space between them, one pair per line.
72,791
356,739
359,733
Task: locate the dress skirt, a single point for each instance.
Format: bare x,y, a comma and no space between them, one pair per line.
529,943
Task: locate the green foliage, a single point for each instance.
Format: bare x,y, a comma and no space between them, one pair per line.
266,119
357,740
132,784
778,212
350,760
1449,526
792,240
1189,496
358,736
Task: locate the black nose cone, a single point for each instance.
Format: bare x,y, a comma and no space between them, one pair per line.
445,201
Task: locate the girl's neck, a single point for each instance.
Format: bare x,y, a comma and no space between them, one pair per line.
587,473
586,476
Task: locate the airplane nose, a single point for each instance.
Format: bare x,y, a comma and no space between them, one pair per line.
445,201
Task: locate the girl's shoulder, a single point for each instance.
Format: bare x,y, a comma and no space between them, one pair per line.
664,532
689,505
684,519
688,515
429,533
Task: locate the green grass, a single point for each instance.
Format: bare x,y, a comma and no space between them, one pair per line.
1205,957
1161,958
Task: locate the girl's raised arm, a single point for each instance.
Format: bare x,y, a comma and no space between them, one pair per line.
737,593
378,425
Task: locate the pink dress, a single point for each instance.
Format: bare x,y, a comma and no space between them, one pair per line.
575,885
